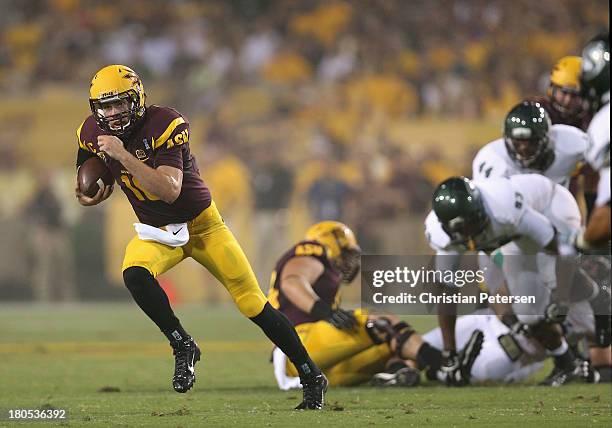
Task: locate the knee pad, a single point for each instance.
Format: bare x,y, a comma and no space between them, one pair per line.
136,277
250,304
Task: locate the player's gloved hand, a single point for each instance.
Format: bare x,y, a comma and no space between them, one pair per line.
450,368
555,313
520,328
515,326
457,367
343,319
339,318
380,330
581,245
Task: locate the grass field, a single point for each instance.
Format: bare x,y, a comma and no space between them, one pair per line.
108,366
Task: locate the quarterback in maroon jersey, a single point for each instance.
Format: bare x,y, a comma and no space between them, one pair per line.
146,148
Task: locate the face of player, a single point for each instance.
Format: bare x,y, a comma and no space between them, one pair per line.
117,113
525,149
566,100
464,231
350,264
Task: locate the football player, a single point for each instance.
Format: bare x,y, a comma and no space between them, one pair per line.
349,346
146,147
509,357
565,105
563,101
595,81
531,144
530,219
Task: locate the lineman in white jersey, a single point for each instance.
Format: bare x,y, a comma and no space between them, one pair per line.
532,145
595,83
527,215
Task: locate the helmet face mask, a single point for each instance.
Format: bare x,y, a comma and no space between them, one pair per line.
526,136
118,123
564,89
341,245
462,229
567,101
349,264
526,152
116,99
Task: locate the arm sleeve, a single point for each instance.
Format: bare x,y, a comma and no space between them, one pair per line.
82,156
170,150
535,226
84,152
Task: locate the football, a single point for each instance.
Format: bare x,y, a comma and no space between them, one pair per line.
92,175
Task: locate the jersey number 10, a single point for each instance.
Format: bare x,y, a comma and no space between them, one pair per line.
140,193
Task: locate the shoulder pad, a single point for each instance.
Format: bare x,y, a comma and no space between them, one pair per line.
164,121
87,134
569,139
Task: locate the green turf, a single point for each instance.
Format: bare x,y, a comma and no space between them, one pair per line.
67,356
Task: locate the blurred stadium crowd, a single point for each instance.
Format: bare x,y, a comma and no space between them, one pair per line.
300,111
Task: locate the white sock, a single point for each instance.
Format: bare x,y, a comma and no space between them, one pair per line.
560,350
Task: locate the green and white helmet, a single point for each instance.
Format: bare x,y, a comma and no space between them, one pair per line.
595,71
527,136
459,208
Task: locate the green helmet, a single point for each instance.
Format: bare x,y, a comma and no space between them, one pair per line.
526,134
459,208
595,71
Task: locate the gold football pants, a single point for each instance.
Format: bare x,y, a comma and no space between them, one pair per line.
346,357
212,245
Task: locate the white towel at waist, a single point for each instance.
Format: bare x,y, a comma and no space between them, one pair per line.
175,235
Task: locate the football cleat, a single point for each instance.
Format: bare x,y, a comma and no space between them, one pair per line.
186,354
404,377
314,393
560,376
586,371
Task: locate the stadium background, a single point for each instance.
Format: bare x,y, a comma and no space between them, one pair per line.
300,111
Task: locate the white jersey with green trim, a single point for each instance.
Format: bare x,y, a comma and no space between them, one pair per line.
570,146
598,153
514,206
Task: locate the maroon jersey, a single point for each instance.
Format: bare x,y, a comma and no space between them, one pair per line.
161,137
556,117
326,286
